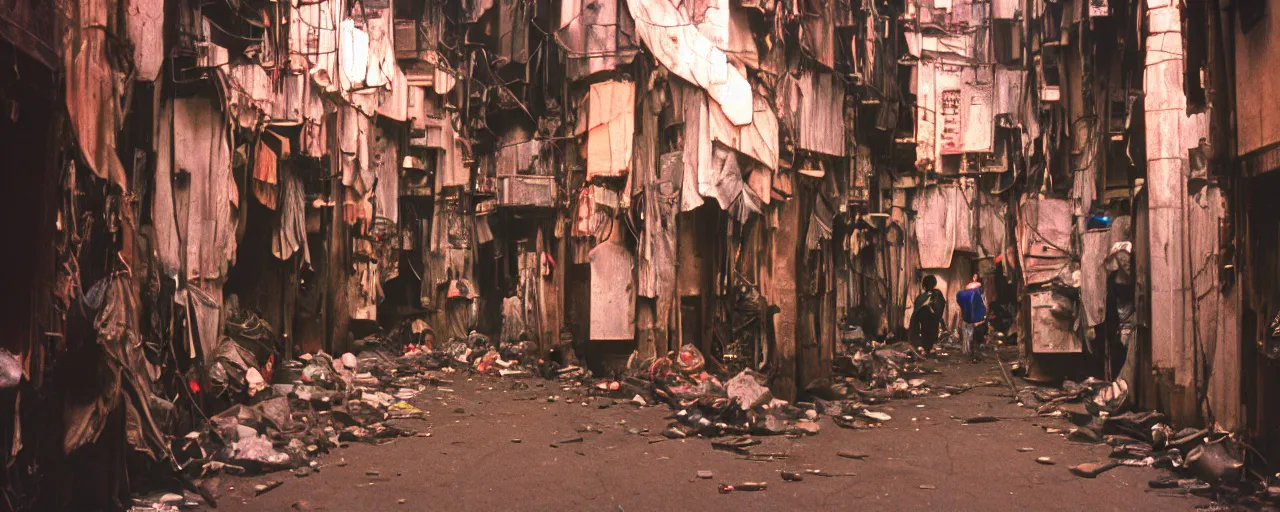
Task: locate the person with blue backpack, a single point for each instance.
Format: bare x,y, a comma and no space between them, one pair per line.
973,311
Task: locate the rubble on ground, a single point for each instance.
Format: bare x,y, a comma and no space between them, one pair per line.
1206,462
317,401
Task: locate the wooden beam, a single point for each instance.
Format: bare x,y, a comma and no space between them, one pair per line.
786,243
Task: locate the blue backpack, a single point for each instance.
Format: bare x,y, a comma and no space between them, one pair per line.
972,308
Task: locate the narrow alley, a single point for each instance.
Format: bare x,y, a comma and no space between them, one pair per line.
499,444
640,255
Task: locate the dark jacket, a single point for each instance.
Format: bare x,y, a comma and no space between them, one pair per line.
930,305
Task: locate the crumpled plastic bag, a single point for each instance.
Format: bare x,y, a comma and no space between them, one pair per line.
259,449
10,369
319,371
690,359
1110,397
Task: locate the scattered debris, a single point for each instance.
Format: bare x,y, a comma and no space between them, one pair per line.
877,416
1092,470
981,419
260,489
745,486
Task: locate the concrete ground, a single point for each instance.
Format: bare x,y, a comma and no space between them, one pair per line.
925,458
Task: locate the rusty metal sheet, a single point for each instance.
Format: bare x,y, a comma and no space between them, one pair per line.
992,216
385,166
1005,9
144,20
1008,90
821,127
251,94
613,290
518,153
1093,276
394,100
196,197
610,128
514,18
962,202
596,36
979,118
819,34
657,244
1044,237
450,170
1051,334
697,141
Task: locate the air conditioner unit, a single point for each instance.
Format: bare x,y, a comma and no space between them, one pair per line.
529,191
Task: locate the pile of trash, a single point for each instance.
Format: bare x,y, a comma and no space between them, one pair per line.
479,353
705,405
876,372
313,404
1205,462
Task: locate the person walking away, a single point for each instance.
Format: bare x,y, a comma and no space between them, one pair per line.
927,313
973,311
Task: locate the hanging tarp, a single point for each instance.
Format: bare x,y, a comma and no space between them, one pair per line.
290,235
367,51
935,226
692,104
92,96
270,149
196,197
676,42
725,185
313,36
758,140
